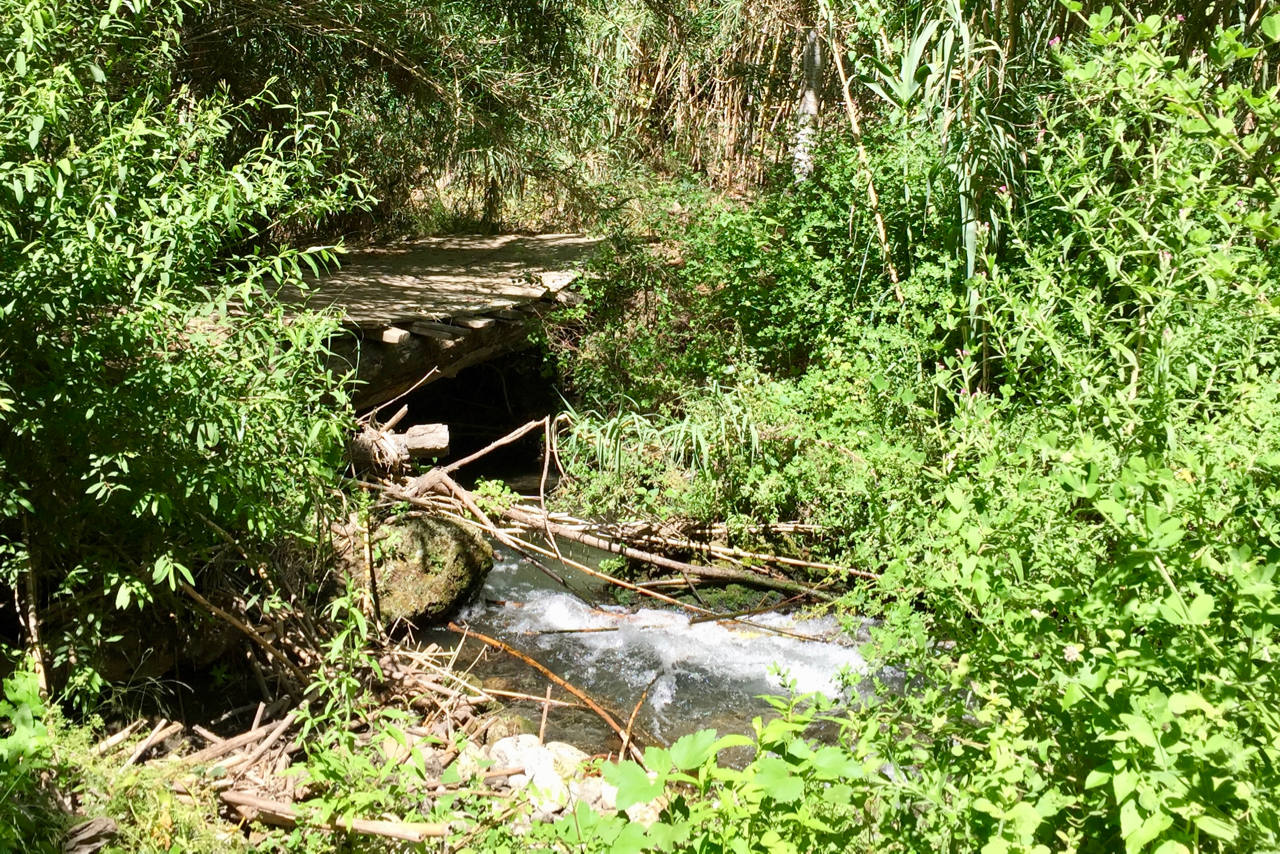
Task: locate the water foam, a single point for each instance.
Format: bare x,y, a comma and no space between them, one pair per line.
699,670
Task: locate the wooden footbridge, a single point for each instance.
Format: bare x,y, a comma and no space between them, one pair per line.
441,304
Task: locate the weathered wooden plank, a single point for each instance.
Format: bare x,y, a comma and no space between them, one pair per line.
394,336
431,329
474,322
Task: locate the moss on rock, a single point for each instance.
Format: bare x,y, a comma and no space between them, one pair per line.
427,567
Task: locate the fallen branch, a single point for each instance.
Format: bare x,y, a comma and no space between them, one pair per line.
577,692
284,815
715,572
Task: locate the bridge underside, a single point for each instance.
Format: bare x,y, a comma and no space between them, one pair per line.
429,308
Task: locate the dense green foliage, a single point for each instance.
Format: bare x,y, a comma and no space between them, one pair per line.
158,400
1032,381
1055,438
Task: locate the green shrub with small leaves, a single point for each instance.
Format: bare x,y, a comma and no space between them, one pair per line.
157,399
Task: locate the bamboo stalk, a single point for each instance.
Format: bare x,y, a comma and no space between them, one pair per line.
162,730
872,196
271,739
109,744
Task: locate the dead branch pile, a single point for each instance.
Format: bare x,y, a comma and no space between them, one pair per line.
258,774
527,521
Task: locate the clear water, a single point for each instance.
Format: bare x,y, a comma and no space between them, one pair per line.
697,676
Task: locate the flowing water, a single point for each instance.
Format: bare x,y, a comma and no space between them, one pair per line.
696,675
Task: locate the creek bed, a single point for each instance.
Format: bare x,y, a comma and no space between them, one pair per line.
705,675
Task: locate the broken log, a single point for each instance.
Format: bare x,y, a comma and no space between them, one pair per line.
424,440
386,452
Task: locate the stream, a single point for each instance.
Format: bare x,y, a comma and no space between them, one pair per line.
704,675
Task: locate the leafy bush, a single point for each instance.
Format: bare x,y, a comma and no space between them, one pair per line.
159,399
1079,540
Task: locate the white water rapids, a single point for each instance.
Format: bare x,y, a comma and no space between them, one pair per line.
703,675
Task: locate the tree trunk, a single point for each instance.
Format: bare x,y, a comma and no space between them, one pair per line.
814,61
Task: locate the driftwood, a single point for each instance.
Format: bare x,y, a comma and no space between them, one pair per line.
378,449
253,807
425,440
713,572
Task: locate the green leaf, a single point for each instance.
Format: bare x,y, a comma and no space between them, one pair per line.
633,784
693,750
1271,27
1217,828
1097,777
1150,829
1023,818
1200,609
774,778
631,840
832,763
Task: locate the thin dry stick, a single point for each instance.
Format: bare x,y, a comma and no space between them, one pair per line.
403,394
293,669
635,712
577,692
505,440
516,695
872,196
542,727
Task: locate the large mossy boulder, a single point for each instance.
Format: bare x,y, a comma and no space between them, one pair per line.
427,567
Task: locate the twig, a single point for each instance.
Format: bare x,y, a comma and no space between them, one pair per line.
403,394
542,727
631,721
516,695
505,440
581,695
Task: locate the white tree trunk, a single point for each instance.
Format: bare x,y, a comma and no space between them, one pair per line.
814,61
